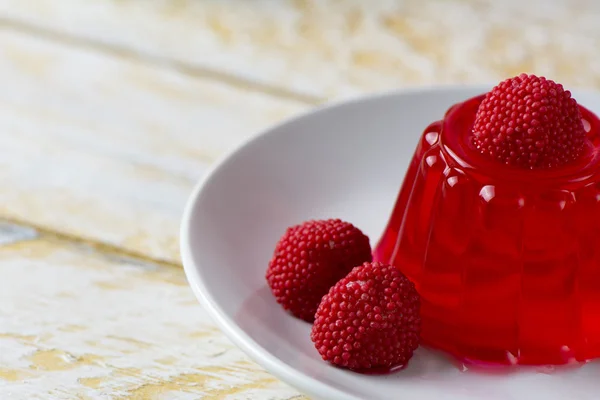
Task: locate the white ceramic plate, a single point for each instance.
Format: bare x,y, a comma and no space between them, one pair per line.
348,161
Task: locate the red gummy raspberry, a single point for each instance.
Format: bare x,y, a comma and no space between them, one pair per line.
310,258
369,319
529,122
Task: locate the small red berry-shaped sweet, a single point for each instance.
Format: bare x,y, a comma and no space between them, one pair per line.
369,319
529,122
310,258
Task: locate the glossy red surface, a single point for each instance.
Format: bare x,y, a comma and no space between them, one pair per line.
507,261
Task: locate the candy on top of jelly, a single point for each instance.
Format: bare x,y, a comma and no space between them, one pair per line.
529,122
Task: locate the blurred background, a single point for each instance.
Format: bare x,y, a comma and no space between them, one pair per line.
112,109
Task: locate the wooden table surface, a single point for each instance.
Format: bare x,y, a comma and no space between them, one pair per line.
111,110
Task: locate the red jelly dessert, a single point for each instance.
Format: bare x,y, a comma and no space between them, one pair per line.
502,236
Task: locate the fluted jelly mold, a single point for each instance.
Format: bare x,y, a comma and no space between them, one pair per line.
507,261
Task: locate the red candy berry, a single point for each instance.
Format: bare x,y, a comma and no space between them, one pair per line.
369,319
529,122
312,257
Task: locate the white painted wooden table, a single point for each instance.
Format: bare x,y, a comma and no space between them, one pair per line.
110,111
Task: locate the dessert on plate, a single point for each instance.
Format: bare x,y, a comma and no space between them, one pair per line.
364,315
491,253
497,223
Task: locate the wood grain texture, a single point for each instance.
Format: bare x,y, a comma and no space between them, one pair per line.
119,329
331,48
109,148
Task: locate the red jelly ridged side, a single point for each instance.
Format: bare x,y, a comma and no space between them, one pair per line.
507,261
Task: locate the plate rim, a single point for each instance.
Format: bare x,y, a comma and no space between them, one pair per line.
295,378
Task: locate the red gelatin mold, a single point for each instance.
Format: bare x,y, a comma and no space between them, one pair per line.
506,260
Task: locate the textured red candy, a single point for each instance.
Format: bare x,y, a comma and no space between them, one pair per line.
369,319
310,258
529,122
